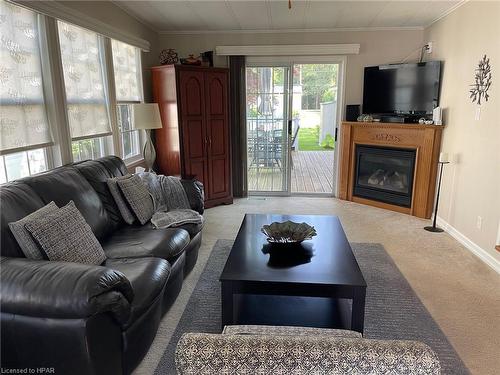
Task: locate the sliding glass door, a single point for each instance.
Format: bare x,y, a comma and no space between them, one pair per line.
314,104
267,138
293,113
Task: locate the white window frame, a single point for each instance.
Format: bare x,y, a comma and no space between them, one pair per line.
117,132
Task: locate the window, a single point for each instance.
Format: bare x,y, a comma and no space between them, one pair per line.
90,148
99,81
21,164
130,138
128,86
82,59
24,130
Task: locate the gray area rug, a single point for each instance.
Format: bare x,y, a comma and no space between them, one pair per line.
393,310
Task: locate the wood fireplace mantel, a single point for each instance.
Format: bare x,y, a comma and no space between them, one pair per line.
425,139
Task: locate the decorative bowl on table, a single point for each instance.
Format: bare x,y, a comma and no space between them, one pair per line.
288,232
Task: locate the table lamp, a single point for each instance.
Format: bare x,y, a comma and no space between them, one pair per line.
146,116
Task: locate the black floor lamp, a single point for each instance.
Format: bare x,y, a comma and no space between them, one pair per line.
443,159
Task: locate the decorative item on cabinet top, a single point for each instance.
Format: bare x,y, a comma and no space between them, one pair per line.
191,60
207,58
169,56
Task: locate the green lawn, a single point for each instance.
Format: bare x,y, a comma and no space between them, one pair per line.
308,140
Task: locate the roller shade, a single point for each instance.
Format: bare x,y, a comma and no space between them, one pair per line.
82,61
23,118
127,69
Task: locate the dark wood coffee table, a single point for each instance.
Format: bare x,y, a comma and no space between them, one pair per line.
318,283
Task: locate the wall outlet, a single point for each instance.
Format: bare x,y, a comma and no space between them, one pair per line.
429,47
479,222
477,115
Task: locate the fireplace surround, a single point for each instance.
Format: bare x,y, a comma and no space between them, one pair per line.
423,144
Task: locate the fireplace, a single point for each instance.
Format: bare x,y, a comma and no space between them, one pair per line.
384,174
417,198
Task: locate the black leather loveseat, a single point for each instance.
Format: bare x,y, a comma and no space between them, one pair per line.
81,319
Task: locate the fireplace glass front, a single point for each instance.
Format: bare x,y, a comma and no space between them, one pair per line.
384,174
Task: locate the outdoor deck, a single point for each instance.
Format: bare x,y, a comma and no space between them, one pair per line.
312,172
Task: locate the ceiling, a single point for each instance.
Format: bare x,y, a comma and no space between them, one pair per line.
189,16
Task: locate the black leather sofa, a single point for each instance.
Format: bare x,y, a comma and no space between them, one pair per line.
82,319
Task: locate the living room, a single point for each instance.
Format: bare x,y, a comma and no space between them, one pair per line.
153,154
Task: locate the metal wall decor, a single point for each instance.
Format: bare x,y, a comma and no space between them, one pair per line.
482,82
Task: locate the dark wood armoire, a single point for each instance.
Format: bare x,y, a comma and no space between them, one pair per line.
194,141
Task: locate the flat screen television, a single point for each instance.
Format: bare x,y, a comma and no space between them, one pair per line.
402,89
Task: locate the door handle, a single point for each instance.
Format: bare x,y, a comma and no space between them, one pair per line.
290,128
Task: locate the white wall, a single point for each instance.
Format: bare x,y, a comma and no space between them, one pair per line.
377,47
471,183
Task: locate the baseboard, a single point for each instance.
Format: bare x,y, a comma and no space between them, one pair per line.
471,246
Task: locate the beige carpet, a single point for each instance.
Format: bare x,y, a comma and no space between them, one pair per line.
459,290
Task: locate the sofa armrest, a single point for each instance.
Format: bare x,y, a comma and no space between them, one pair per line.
199,353
195,193
49,289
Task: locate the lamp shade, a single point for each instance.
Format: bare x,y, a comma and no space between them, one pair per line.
146,116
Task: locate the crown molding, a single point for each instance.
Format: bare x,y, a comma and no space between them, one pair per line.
62,12
135,16
287,31
289,50
447,13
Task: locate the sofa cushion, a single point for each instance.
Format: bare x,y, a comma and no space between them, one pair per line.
17,200
289,331
138,197
147,276
65,236
114,165
145,241
97,175
195,193
28,244
64,184
123,207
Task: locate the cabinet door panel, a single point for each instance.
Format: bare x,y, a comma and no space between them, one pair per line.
192,89
194,139
218,137
219,184
197,169
194,136
217,96
217,128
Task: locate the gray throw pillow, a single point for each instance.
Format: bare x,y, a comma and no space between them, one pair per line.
138,197
127,214
65,236
26,242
